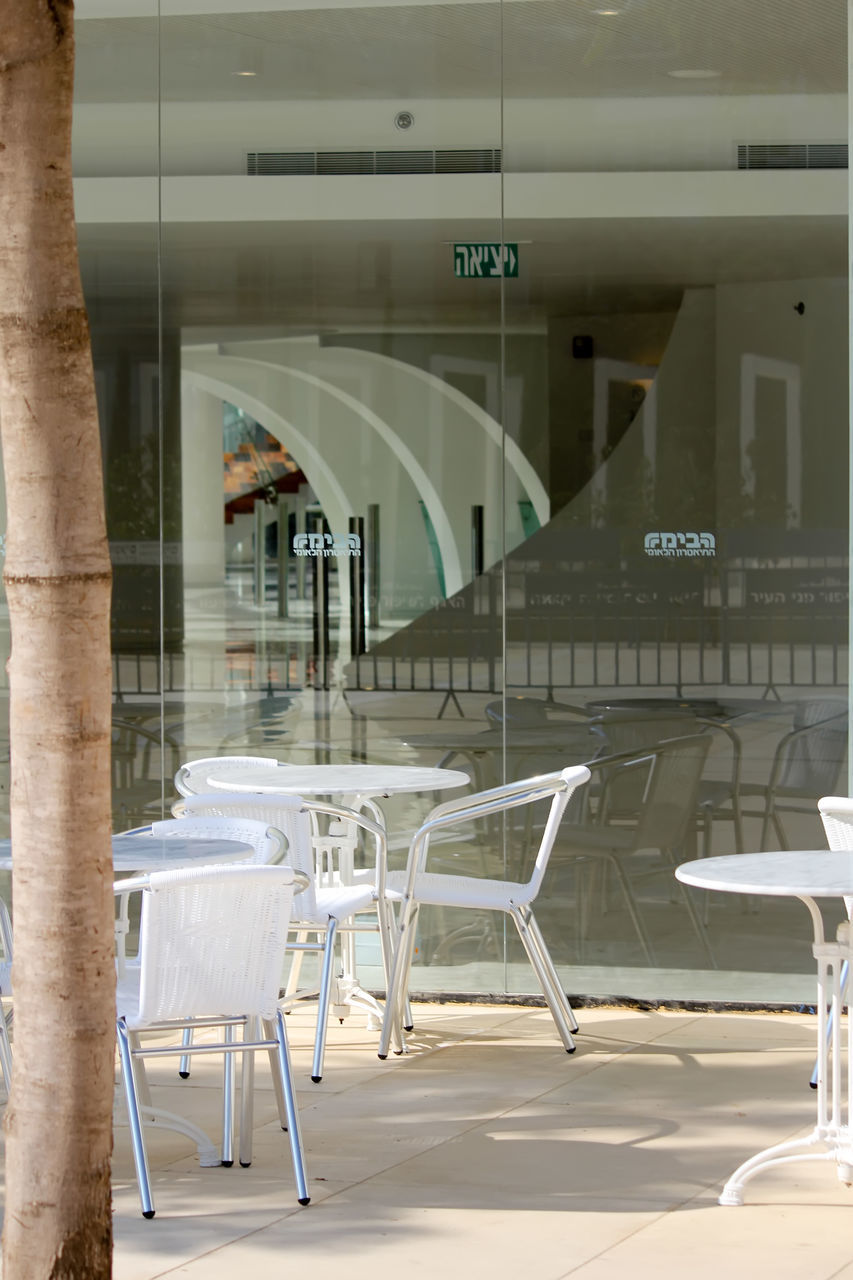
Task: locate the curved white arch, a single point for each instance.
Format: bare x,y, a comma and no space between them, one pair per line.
437,511
334,500
523,469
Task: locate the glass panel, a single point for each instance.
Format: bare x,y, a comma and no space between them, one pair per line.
116,188
689,284
474,390
340,438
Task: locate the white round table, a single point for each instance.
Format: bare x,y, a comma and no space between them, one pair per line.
145,852
807,874
363,780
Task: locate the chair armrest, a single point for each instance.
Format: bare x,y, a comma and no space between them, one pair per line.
343,814
482,805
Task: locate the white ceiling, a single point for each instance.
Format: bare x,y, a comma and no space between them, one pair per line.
552,48
309,276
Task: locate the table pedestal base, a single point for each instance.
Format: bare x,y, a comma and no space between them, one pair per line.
834,1097
839,1149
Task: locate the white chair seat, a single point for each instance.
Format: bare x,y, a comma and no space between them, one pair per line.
438,890
338,902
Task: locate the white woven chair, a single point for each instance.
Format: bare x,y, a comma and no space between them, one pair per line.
267,842
211,950
419,886
320,842
191,778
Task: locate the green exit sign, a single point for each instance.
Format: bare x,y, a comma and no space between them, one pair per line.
485,260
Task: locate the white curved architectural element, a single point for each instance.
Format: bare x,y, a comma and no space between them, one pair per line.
369,429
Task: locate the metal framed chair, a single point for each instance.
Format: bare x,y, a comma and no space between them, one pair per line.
211,950
321,842
418,886
642,730
669,776
806,765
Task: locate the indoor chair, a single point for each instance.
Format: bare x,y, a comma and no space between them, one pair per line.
669,777
807,764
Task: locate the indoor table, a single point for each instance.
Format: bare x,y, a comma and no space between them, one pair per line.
807,875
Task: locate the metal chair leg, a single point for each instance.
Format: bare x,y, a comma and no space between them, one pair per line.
536,934
140,1156
228,1102
294,1131
397,993
550,992
184,1064
247,1101
323,1002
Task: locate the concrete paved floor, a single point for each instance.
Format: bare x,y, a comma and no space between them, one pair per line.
487,1152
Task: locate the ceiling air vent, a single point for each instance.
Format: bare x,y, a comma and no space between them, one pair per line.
295,163
404,162
792,155
468,161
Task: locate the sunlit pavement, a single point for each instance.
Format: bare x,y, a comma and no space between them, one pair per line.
487,1151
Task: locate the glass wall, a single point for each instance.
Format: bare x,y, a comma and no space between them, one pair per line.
473,388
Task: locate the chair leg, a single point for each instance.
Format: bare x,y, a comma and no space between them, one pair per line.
140,1156
247,1095
184,1064
636,918
550,968
228,1102
546,975
323,1002
397,993
276,1084
294,1132
695,918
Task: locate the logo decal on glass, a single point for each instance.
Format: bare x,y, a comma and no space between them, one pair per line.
680,544
327,544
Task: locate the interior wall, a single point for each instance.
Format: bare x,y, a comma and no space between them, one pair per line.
763,319
545,135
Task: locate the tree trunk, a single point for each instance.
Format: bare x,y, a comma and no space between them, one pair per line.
57,576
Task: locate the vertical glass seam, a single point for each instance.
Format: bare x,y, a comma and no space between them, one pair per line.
502,666
160,408
849,391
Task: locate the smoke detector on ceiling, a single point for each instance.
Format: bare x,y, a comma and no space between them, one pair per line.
404,120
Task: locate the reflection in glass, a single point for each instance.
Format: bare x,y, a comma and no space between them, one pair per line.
365,505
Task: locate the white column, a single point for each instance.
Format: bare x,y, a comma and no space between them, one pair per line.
202,497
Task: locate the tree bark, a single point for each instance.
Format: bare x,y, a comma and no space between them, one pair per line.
57,577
